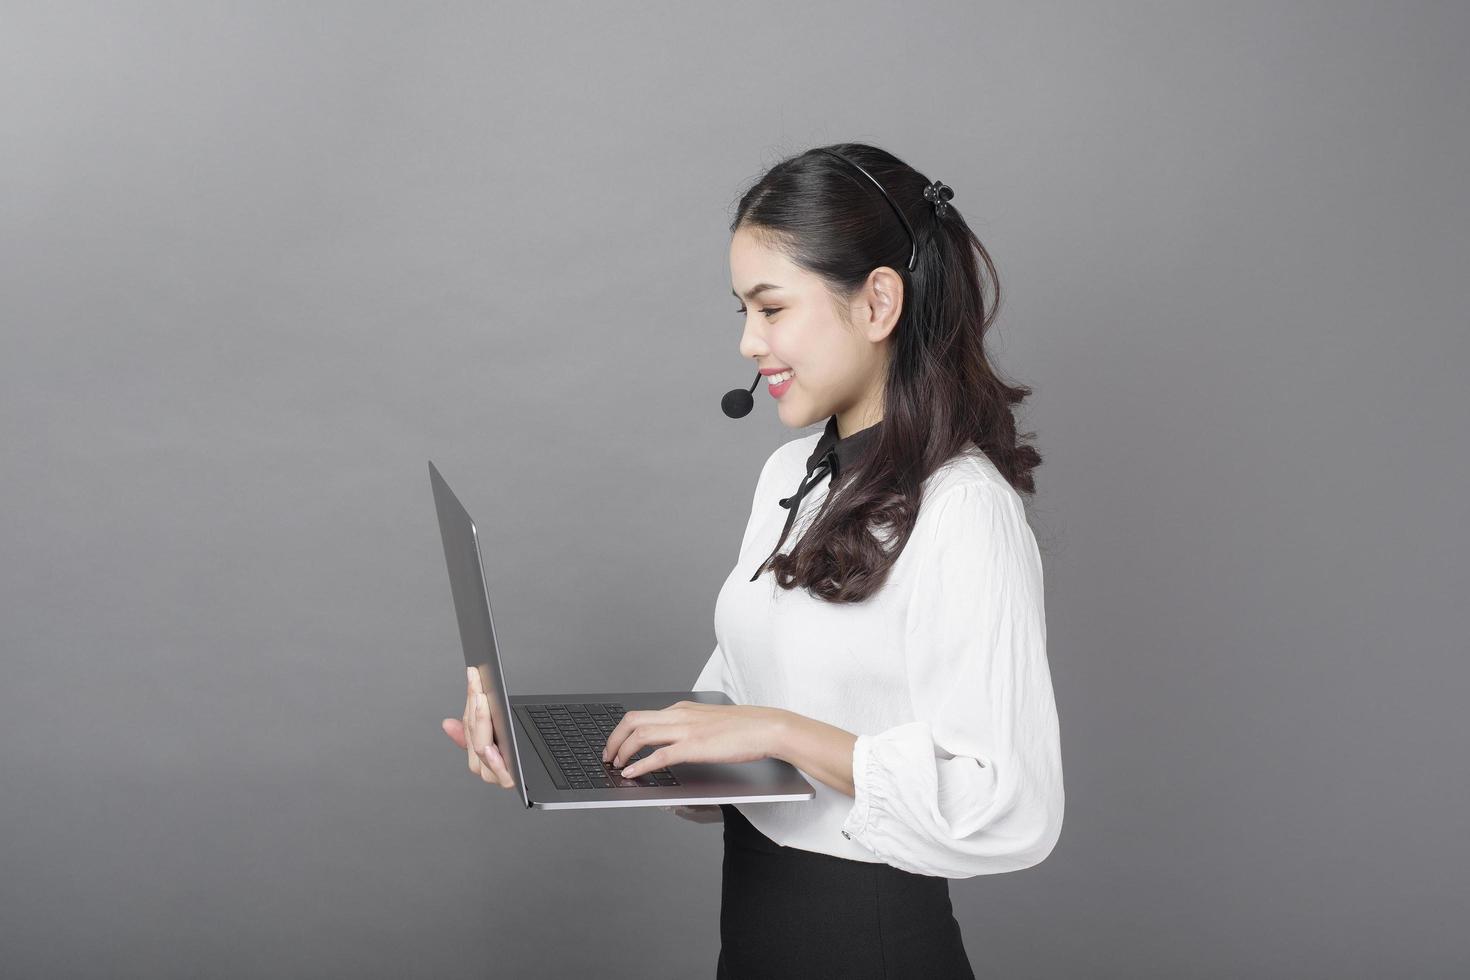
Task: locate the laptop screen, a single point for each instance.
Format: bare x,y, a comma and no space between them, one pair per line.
476,624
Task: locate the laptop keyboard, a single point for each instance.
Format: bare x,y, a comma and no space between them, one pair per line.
577,734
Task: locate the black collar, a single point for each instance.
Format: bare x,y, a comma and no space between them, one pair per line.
840,453
829,458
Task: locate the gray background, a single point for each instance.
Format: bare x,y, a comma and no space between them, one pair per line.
260,261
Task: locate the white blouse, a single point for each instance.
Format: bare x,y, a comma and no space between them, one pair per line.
942,675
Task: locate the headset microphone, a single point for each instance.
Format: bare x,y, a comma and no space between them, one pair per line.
738,402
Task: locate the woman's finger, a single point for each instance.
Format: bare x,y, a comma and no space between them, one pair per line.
481,734
626,745
499,767
625,726
494,768
454,728
492,763
471,749
484,726
644,735
483,743
656,759
633,720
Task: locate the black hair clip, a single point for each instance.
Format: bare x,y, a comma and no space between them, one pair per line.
939,194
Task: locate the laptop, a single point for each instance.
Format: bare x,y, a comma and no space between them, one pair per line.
554,747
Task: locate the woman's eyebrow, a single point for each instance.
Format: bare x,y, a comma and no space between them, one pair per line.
755,290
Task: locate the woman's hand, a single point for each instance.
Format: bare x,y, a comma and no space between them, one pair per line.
475,733
690,731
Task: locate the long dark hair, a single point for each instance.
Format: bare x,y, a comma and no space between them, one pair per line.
941,392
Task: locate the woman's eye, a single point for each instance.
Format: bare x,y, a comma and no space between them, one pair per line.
767,310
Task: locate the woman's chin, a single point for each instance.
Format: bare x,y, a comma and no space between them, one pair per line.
792,414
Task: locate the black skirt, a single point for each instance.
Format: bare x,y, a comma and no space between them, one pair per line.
785,912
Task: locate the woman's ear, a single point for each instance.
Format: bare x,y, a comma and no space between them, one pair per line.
883,299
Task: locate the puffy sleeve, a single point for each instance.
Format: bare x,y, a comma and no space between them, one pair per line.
973,785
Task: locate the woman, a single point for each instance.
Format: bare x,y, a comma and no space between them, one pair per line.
895,653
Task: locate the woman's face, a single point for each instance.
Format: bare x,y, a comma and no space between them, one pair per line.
838,364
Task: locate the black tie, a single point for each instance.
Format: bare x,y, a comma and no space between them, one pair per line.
825,465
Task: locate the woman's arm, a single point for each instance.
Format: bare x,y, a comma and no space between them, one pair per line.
816,748
973,784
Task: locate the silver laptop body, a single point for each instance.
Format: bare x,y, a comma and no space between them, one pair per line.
548,772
